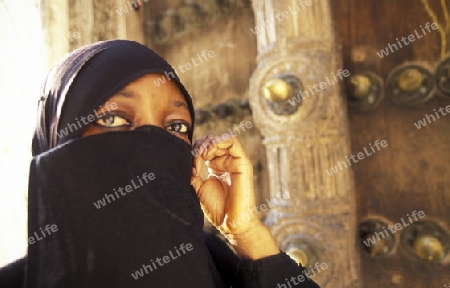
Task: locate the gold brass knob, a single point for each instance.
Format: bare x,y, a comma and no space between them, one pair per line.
410,84
374,244
429,248
277,90
380,247
360,86
427,240
299,256
410,79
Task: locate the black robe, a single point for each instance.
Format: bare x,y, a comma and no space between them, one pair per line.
117,243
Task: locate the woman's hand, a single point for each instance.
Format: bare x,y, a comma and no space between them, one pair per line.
227,196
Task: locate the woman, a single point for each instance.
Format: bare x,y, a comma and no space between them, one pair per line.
115,198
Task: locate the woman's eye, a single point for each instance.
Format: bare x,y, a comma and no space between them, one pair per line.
179,128
112,121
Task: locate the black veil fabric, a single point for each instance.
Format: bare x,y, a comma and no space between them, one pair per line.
84,79
108,244
116,226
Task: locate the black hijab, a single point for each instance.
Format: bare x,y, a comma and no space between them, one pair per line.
85,79
121,202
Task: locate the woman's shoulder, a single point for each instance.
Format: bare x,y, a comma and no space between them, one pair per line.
12,275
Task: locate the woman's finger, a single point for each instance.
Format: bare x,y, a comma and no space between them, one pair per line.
216,147
214,152
236,149
197,169
221,164
197,183
235,160
200,145
215,167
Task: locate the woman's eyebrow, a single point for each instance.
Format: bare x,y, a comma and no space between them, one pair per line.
180,104
131,94
126,94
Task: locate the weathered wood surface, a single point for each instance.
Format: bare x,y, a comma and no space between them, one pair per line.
302,145
412,173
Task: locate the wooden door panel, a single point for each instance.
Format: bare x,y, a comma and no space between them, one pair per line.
412,172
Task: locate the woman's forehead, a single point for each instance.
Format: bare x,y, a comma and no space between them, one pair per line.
151,81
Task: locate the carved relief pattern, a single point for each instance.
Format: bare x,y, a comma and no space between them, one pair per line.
106,20
81,17
329,244
444,25
301,147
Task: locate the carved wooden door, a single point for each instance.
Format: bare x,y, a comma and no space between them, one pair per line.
397,53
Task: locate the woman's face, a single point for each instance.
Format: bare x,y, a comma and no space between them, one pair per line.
142,102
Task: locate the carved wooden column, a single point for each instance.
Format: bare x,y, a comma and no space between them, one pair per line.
304,138
70,24
56,26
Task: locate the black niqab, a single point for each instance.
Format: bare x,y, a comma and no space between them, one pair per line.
116,227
